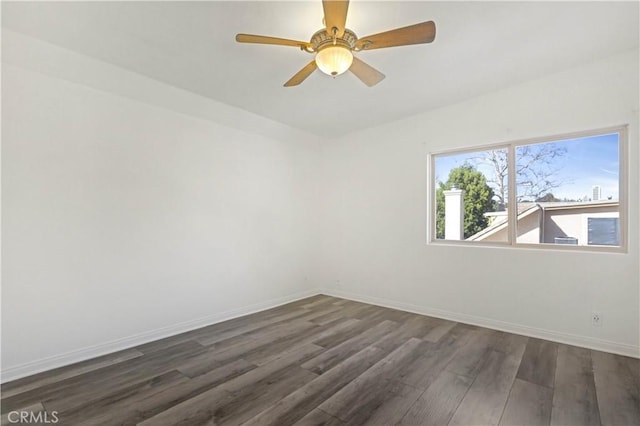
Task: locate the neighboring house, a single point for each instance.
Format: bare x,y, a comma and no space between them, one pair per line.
580,223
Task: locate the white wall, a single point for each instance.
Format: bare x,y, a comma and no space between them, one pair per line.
124,221
374,216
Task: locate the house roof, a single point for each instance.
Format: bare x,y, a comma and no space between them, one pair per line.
501,222
577,204
526,209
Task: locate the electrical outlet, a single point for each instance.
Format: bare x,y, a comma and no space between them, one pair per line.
596,319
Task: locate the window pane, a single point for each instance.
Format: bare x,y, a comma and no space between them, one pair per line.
471,195
568,191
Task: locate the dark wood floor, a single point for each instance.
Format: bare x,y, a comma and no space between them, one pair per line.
329,361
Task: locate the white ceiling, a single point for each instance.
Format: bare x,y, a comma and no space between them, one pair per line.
479,47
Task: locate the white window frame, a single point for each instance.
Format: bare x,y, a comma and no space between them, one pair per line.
623,205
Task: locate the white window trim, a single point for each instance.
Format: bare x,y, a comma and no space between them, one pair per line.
623,206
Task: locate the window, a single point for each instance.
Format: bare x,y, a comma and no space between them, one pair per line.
568,193
471,195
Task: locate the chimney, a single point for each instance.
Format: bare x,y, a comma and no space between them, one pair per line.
454,214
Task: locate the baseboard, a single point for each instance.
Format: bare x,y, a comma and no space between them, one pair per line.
554,336
83,354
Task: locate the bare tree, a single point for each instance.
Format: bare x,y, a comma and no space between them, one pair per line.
536,171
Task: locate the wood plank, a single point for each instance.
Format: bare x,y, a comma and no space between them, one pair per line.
421,373
416,326
441,329
269,336
78,390
332,357
149,367
311,300
140,407
574,398
510,344
52,376
354,307
205,362
528,404
378,314
539,362
439,402
275,349
617,380
37,409
318,417
330,317
348,309
319,300
162,344
396,315
394,406
485,401
247,402
468,360
115,403
203,408
299,403
264,325
341,337
368,391
320,312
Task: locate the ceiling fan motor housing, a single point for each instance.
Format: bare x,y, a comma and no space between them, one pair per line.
334,45
322,39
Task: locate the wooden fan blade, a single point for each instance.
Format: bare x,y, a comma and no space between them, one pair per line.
335,15
424,32
302,74
251,38
366,73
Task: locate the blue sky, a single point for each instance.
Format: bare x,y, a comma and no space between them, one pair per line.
587,162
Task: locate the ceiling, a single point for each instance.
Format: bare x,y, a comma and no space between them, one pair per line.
479,47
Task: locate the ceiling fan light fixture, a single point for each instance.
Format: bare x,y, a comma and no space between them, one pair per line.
334,45
334,60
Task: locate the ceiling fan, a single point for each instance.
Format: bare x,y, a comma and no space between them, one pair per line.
334,45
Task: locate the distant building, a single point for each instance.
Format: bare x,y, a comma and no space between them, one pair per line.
574,222
579,223
597,193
